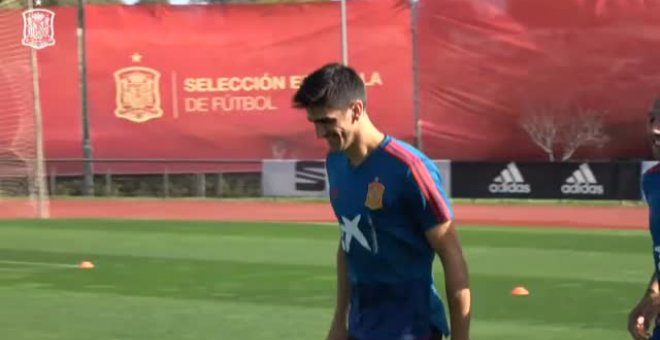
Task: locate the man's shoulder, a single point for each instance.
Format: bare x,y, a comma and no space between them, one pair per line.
333,157
334,163
653,171
406,153
651,179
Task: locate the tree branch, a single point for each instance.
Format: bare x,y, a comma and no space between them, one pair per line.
542,127
585,129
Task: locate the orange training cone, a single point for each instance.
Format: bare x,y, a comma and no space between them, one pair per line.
520,291
86,265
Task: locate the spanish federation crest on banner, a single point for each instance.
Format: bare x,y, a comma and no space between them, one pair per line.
38,28
375,193
137,94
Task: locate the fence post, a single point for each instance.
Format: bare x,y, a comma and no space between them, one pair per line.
108,183
53,182
220,182
166,183
415,73
344,33
200,185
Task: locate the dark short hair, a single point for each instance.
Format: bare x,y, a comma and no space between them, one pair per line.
333,86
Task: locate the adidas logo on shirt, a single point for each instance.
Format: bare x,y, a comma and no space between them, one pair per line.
510,180
582,182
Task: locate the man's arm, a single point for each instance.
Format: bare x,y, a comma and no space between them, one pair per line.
444,240
653,288
338,329
646,309
431,207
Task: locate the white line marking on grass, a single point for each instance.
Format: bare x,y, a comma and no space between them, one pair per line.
39,264
15,270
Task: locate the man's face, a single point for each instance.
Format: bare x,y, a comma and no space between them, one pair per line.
654,132
336,126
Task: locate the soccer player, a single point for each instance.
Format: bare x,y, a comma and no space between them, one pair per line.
394,215
648,307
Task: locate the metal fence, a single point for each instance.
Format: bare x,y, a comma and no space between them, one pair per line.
166,178
617,181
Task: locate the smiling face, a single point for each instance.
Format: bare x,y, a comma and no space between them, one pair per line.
335,99
654,130
338,127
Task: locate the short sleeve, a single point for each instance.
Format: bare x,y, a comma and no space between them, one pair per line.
643,189
425,196
650,198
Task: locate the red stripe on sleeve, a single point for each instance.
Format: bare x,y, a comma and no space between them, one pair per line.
655,168
423,178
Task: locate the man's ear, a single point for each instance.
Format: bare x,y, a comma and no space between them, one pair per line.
357,110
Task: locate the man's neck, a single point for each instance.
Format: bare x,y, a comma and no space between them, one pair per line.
364,145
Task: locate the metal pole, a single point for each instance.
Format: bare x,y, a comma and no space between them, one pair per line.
88,184
40,169
344,34
415,70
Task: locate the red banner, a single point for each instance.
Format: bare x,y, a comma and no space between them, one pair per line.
216,82
59,81
489,65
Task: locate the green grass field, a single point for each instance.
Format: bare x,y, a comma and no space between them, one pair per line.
200,280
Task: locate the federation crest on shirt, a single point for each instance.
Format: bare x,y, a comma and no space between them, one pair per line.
38,29
375,193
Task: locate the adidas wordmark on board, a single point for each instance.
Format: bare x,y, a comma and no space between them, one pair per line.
510,180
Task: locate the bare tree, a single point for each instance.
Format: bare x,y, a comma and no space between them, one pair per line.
542,126
561,129
585,128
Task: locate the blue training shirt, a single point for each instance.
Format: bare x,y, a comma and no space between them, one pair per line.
651,188
384,207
